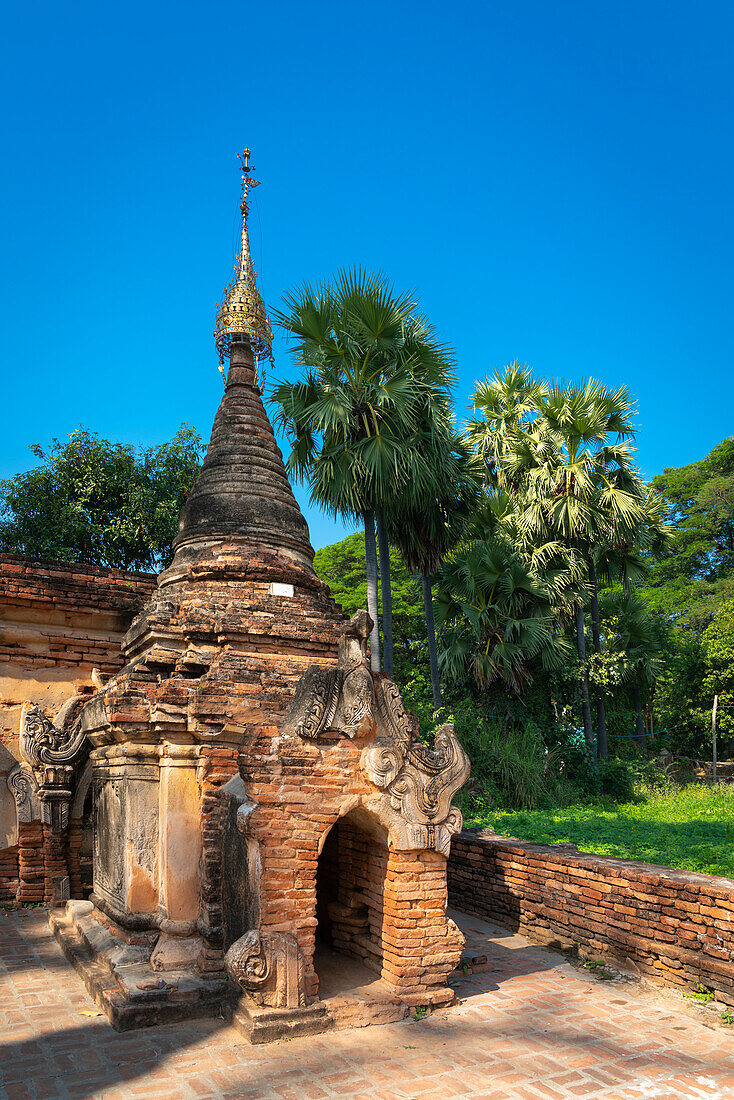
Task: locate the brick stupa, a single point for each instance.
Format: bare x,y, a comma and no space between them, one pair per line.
263,805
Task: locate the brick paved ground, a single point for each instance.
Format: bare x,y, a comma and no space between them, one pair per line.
530,1028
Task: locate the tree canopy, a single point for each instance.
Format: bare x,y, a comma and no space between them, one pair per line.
342,566
104,503
695,573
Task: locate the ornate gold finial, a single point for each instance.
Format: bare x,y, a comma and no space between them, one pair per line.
242,316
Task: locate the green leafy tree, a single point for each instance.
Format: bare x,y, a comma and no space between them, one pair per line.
639,639
373,372
718,656
504,407
695,573
91,500
343,567
579,488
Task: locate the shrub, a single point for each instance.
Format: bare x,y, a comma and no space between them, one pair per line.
511,766
617,780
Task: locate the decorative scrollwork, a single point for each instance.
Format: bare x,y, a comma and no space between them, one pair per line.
417,782
52,751
314,706
430,778
341,699
24,789
269,966
42,742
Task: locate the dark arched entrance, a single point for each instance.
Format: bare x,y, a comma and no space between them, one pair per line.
350,891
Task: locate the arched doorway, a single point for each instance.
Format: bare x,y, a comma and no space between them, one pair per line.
350,889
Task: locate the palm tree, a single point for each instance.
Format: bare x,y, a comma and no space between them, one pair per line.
506,404
634,633
425,528
578,489
373,366
499,616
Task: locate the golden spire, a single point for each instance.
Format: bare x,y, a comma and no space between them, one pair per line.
242,316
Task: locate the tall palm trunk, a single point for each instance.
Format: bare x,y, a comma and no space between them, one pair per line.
585,705
601,716
431,630
370,548
386,590
640,721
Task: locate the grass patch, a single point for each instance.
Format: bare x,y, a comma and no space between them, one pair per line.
689,827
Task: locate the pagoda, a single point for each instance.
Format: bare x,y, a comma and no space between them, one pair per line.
262,802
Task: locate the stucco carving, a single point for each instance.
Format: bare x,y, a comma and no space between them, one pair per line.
44,742
341,699
419,783
52,750
268,966
416,782
24,789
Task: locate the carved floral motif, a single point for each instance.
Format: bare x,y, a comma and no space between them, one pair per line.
340,699
24,789
42,742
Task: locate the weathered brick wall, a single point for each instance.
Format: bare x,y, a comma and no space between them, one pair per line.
9,873
673,927
58,621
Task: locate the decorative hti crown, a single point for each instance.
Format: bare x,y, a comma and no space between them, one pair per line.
242,316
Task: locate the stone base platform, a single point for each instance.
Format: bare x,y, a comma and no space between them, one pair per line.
120,979
351,996
118,975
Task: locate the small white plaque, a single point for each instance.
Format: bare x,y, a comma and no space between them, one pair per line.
280,589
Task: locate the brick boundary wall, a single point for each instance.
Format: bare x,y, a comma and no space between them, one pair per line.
72,586
671,927
58,621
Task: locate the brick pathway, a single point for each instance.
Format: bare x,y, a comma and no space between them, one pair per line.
530,1028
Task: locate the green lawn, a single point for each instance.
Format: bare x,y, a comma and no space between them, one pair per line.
690,827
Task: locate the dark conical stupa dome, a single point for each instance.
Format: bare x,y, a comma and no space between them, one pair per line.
243,491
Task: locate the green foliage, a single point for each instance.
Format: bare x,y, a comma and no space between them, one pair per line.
511,765
696,573
617,780
700,993
342,566
369,421
374,374
691,591
99,502
717,645
691,827
497,614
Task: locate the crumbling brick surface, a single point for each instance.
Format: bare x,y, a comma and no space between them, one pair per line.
62,615
673,927
58,621
72,586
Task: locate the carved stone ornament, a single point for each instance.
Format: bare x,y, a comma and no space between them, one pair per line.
269,966
43,742
416,783
338,700
419,782
24,789
52,751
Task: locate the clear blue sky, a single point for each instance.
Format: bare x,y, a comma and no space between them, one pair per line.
554,178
